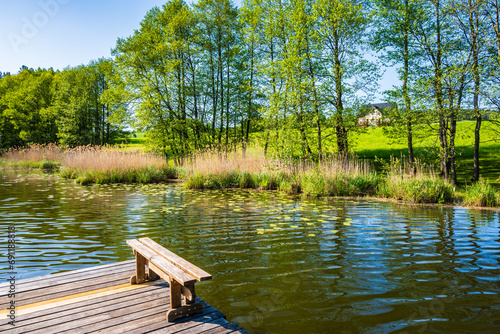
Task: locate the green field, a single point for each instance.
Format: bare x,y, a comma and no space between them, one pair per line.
374,143
138,141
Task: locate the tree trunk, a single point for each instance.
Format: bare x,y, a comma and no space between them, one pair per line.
342,145
438,84
474,27
405,89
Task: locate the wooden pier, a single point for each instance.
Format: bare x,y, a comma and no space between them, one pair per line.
102,300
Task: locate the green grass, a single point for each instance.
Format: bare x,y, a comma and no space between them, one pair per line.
481,194
373,143
140,175
138,142
417,190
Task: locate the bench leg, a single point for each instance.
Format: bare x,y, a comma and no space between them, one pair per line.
176,307
189,294
151,275
184,310
140,269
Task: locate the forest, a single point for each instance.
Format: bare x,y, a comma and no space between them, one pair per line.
296,75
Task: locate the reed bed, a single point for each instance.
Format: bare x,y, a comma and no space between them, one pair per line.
333,177
100,164
415,184
34,156
216,170
481,194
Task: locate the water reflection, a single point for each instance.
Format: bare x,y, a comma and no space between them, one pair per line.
280,264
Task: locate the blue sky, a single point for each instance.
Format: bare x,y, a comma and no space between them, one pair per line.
62,33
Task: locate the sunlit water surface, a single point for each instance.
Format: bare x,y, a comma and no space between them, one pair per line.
280,264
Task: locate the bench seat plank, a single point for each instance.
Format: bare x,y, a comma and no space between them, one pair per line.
176,260
161,263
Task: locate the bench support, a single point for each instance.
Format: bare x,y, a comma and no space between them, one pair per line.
140,274
177,293
179,273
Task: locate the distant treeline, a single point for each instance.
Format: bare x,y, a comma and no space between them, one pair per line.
71,107
210,74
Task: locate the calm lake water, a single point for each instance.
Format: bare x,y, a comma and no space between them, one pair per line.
280,264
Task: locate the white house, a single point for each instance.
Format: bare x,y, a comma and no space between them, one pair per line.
376,116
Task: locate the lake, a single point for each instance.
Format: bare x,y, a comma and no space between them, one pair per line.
280,264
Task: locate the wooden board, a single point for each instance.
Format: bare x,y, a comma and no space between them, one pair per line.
167,268
178,261
101,300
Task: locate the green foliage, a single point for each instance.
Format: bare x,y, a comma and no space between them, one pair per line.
41,164
69,107
88,113
25,115
481,194
246,180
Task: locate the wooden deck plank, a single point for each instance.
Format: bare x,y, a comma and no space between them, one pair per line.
78,273
65,279
63,290
188,323
90,304
156,321
61,285
157,298
102,300
94,321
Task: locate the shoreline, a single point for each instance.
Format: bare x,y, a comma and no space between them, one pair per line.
55,171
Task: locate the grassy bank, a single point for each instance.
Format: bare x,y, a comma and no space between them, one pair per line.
373,143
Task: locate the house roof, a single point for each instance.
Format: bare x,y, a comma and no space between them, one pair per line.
381,105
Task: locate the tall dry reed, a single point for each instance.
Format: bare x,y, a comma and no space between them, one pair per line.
213,162
105,164
35,152
34,156
334,176
107,158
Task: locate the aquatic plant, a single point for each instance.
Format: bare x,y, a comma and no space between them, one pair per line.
481,194
417,184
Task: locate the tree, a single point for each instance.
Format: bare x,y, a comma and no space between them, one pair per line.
88,110
341,27
26,105
395,20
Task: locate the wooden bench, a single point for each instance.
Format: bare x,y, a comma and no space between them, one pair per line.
180,274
